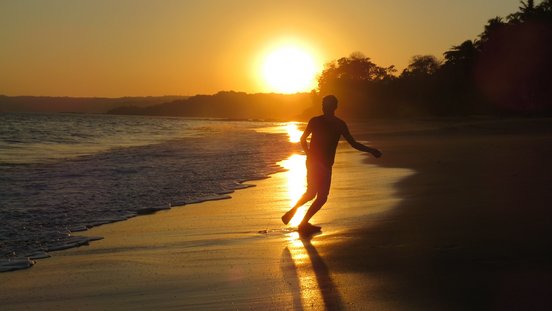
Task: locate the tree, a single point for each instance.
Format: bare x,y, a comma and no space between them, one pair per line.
461,55
355,68
357,81
514,65
526,12
422,65
494,25
545,6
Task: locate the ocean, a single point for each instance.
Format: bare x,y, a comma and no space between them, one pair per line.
61,174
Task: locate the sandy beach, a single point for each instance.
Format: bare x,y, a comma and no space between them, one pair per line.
450,218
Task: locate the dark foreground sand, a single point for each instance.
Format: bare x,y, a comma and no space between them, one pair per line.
454,218
474,228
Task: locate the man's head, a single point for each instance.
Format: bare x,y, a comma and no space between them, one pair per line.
329,104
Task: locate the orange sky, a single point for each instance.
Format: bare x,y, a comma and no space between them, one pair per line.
141,48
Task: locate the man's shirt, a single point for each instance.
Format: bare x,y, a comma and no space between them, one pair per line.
326,132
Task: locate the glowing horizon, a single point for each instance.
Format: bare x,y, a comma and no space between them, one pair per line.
143,48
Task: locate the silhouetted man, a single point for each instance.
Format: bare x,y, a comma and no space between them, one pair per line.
326,131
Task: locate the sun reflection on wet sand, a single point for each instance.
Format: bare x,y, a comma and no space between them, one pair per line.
296,184
303,268
295,166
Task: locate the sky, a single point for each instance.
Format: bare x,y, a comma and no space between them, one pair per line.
100,48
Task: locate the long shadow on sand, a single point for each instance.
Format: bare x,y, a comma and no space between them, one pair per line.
298,273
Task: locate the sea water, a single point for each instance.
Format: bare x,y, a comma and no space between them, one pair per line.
64,173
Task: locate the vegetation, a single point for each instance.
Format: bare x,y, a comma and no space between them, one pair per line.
506,70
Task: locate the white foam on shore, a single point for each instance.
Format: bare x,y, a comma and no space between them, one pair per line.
15,264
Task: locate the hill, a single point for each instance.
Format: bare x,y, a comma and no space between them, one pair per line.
76,104
233,105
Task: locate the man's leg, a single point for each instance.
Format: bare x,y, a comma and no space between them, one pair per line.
307,196
324,182
310,193
314,208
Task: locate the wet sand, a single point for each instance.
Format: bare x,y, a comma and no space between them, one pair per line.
450,219
218,255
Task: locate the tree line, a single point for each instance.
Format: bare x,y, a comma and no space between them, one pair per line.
506,70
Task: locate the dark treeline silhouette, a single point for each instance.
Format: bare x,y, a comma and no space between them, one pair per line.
232,105
507,70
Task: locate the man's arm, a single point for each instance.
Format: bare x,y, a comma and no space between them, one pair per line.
306,133
358,146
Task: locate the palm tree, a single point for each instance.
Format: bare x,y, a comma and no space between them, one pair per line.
493,25
526,12
462,55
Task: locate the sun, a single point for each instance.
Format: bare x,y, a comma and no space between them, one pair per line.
289,69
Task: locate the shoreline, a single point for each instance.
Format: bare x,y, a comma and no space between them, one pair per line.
78,240
443,221
108,180
209,256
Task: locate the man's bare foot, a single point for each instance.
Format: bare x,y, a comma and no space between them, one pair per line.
307,227
288,216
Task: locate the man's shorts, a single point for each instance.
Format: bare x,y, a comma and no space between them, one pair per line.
319,178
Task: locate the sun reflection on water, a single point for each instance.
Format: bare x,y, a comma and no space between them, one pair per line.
289,128
293,132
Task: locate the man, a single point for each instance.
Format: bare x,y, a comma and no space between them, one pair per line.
326,131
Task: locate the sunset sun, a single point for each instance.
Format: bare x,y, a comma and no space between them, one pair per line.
289,69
